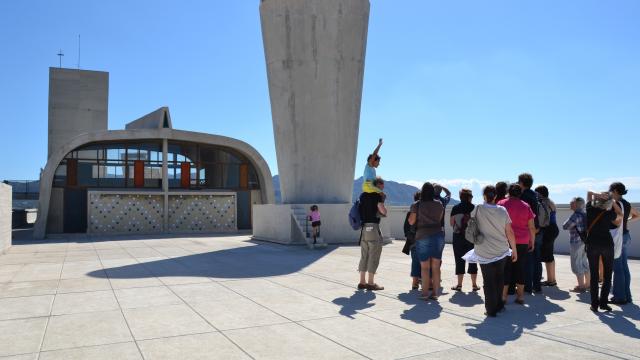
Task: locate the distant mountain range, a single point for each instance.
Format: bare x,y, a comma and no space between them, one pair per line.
398,194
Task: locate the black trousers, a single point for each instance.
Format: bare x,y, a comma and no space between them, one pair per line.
594,251
493,282
514,272
460,247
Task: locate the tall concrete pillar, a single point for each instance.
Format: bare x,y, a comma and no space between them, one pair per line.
315,51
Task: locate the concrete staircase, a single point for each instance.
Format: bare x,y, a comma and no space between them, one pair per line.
299,213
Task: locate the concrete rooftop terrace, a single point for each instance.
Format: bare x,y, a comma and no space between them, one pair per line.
227,297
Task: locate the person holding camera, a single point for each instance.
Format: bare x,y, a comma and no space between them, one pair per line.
602,213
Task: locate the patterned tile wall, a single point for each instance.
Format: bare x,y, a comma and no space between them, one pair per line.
202,213
125,213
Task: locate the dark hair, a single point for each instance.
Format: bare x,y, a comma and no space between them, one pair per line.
377,157
416,196
543,190
489,192
314,207
526,180
619,188
466,195
501,190
515,190
427,193
377,181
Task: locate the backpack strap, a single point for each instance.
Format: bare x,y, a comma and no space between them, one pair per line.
595,222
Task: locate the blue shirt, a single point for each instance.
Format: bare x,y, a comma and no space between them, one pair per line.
369,173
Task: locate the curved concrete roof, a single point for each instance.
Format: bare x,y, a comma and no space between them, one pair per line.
46,177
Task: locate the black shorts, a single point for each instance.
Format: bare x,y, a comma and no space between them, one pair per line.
548,238
316,223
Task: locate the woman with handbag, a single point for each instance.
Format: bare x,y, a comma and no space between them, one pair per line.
427,214
525,231
489,229
460,215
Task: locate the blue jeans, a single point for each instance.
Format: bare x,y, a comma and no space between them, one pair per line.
533,271
621,274
415,263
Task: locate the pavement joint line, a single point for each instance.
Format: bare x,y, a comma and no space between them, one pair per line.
207,321
383,321
53,300
87,346
293,321
122,313
580,344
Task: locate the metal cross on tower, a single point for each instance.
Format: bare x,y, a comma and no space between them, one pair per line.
60,55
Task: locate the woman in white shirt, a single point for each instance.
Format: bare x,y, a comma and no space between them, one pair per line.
493,246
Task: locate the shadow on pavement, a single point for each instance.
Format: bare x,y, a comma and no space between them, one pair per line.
360,300
514,321
423,311
259,260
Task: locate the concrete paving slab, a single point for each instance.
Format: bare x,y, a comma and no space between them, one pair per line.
198,293
373,338
28,288
25,307
86,329
83,285
165,321
21,336
288,341
146,297
75,303
122,351
237,314
195,347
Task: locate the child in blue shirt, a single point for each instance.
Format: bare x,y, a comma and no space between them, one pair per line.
373,161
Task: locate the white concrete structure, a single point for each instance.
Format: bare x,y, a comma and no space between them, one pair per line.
315,52
397,215
5,217
78,103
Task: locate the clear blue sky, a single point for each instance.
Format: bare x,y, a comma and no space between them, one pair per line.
459,90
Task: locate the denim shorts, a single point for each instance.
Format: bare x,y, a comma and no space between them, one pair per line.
430,246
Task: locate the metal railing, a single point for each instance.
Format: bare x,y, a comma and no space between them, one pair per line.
24,189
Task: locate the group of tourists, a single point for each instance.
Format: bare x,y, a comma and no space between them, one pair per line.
509,235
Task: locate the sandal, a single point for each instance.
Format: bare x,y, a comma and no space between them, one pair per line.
433,297
362,286
475,288
375,287
579,289
549,283
457,288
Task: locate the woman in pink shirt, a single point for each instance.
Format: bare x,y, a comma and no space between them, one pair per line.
525,230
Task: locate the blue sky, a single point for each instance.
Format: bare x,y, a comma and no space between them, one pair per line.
463,92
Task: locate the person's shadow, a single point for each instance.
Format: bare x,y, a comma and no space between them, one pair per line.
516,319
466,299
360,300
619,321
422,311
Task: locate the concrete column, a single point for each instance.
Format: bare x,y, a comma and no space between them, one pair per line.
315,51
165,184
5,217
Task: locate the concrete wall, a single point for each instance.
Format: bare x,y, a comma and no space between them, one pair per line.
78,103
5,217
315,53
275,223
397,215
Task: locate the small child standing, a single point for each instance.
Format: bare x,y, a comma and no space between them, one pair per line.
314,217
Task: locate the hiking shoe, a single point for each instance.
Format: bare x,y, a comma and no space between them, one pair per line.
363,286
